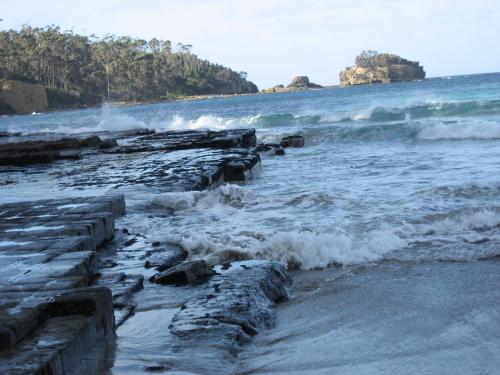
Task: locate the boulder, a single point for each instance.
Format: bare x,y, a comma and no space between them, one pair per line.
293,141
185,272
163,260
240,169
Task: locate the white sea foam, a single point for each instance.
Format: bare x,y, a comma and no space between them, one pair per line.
35,228
238,223
473,129
233,223
297,249
209,122
354,115
482,219
229,195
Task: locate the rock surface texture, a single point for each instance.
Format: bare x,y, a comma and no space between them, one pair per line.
69,277
50,314
176,161
381,68
234,306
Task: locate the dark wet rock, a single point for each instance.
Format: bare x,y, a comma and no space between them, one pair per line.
158,368
36,151
241,169
270,149
293,141
239,301
172,161
83,315
162,260
122,287
24,158
66,248
61,345
50,316
68,155
191,139
7,182
185,272
130,242
279,151
95,301
262,147
108,143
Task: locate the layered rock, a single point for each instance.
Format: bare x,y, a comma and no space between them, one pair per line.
52,316
228,311
35,151
372,67
68,277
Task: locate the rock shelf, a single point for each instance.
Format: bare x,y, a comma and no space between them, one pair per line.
49,311
68,276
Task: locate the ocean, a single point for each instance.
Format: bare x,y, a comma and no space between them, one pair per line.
388,218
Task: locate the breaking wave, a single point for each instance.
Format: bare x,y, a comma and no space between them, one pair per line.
304,250
469,190
233,223
461,130
373,115
426,121
238,222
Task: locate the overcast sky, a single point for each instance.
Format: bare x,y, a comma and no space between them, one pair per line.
274,40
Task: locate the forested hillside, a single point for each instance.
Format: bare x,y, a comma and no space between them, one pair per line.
77,69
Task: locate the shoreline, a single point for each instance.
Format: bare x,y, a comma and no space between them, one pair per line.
125,103
77,272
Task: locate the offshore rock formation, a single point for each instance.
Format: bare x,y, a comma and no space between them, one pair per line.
22,97
372,67
302,82
298,83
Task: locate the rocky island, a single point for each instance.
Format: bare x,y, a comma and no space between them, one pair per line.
298,83
373,67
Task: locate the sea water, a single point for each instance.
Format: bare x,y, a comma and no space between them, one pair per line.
389,218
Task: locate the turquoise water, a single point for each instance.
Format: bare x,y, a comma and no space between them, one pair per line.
399,183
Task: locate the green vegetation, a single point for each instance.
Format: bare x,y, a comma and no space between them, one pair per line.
371,59
81,70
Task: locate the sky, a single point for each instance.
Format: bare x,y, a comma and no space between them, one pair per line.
275,40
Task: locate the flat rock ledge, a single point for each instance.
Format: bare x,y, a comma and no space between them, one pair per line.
171,161
240,300
51,316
